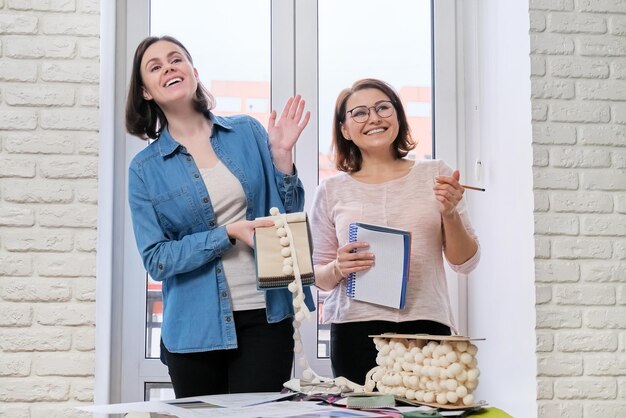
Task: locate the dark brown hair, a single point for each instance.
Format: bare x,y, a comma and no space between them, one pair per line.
144,118
347,155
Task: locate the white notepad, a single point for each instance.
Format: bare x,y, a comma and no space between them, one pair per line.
384,283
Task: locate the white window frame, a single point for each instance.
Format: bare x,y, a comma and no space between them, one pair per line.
121,368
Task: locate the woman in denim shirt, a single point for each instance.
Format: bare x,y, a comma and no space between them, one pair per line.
194,193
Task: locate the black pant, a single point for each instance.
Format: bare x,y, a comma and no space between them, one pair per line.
262,361
353,353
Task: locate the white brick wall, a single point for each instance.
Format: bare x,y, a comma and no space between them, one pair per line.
49,69
578,67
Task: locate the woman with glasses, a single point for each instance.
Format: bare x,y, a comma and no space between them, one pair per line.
378,185
194,193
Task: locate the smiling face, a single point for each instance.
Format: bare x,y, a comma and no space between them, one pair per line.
168,75
377,133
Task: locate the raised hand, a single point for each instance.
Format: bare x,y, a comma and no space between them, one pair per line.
448,192
284,133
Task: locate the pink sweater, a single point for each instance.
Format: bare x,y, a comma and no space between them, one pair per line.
407,203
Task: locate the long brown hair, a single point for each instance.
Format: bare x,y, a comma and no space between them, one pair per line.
347,155
144,118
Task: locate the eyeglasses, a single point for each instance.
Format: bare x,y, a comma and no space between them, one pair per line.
361,114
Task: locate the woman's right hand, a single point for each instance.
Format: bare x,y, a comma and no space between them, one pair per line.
244,230
348,261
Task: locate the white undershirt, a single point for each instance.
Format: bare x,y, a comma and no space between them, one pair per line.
229,205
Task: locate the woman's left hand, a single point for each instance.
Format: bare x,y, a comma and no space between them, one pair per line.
284,133
448,192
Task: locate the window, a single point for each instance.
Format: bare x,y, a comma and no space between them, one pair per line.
359,39
240,84
314,48
392,44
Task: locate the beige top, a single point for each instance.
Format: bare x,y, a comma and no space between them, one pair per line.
407,203
229,205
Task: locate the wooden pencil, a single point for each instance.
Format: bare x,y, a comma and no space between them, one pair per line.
480,189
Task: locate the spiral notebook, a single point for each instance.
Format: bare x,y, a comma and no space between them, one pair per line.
385,283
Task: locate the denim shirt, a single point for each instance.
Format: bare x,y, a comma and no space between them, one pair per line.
180,242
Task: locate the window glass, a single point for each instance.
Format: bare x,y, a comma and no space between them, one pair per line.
390,41
154,317
229,42
158,391
369,39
